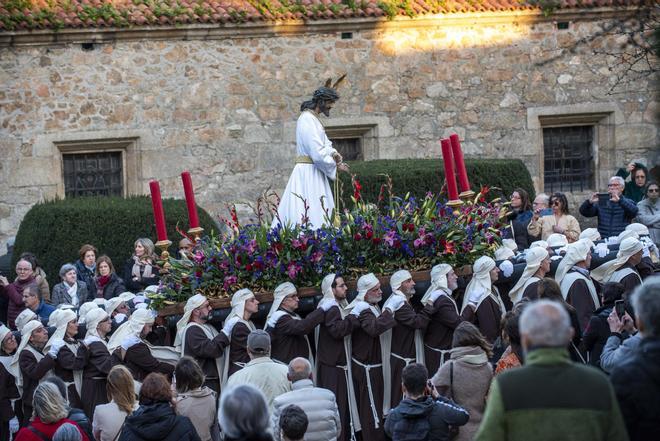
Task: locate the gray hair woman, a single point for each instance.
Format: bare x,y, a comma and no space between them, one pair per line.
243,414
67,432
50,412
70,291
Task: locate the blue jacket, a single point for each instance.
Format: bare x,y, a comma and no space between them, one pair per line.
424,419
613,217
44,311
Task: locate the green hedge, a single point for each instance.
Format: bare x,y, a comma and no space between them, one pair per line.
419,176
55,230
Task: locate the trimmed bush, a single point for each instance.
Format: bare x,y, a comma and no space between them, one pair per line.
419,176
54,231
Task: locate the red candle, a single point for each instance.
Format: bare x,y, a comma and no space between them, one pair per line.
449,169
193,220
159,214
460,163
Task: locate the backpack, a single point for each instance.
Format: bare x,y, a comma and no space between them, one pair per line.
411,429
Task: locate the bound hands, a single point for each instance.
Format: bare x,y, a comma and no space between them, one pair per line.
359,307
339,160
55,347
393,303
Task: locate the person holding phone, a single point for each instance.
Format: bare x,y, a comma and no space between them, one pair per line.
560,221
614,214
634,188
623,340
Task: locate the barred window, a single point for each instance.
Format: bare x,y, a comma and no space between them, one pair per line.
93,174
568,158
349,148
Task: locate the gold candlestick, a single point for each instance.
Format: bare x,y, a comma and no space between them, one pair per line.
467,195
163,245
455,204
196,233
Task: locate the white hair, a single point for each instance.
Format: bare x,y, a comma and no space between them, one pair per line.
544,197
619,180
304,373
646,303
546,323
67,432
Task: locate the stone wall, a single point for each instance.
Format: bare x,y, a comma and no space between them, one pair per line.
225,108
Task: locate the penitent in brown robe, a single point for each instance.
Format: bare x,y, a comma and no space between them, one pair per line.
95,377
532,291
289,336
440,331
488,319
140,362
331,362
205,351
65,364
8,392
403,343
32,372
367,351
238,355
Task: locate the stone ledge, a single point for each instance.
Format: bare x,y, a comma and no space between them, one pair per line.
293,27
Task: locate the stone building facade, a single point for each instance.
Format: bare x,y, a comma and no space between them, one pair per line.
222,101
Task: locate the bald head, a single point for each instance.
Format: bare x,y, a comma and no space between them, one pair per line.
299,369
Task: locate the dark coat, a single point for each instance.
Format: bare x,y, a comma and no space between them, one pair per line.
112,289
596,334
424,419
637,386
142,282
86,275
613,217
158,422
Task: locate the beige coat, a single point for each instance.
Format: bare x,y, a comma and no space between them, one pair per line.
543,226
471,382
108,421
200,406
264,374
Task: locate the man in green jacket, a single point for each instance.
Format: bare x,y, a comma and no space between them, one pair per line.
550,398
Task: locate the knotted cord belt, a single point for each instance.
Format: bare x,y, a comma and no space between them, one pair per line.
407,361
367,368
441,351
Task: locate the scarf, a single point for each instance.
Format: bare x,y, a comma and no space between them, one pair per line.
481,282
101,282
628,247
534,256
193,303
92,320
142,267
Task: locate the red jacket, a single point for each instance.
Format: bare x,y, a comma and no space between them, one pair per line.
25,434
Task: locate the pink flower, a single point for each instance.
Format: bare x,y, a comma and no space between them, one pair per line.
390,237
229,282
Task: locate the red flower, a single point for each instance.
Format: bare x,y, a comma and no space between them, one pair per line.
376,240
357,237
356,189
248,267
449,248
369,234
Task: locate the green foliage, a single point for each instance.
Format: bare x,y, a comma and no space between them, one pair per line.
55,230
419,176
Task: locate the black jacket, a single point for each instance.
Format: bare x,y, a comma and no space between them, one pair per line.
637,386
157,422
424,419
113,288
142,282
596,334
79,417
86,275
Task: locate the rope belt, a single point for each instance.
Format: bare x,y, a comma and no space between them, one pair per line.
303,160
407,361
350,414
441,351
367,368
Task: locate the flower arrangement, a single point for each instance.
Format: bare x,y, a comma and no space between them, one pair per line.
395,232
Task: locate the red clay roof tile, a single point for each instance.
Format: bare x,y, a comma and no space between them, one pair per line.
57,14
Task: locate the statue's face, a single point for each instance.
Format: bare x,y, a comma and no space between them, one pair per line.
325,106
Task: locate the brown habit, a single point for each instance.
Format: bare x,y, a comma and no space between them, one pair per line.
366,350
65,364
288,337
330,355
205,351
32,371
141,363
238,348
99,363
488,318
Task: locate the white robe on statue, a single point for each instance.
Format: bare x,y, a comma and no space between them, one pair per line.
309,181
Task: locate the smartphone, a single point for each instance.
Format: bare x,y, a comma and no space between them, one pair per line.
603,198
620,309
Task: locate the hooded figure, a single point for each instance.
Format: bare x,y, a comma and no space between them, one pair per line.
489,306
527,285
236,355
24,317
576,285
8,390
288,331
333,349
30,365
622,269
71,358
139,356
407,341
370,362
95,373
591,234
196,338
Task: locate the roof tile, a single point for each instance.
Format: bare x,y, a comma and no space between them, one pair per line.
57,14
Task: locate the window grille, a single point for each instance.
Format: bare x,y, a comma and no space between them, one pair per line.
93,174
568,160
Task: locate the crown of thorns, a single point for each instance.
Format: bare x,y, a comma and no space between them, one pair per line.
328,92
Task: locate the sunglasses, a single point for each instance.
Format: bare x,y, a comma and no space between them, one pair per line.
653,190
557,203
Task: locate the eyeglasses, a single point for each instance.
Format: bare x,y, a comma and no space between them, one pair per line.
653,190
23,270
613,185
557,203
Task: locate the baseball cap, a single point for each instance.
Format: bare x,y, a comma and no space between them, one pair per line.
258,341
